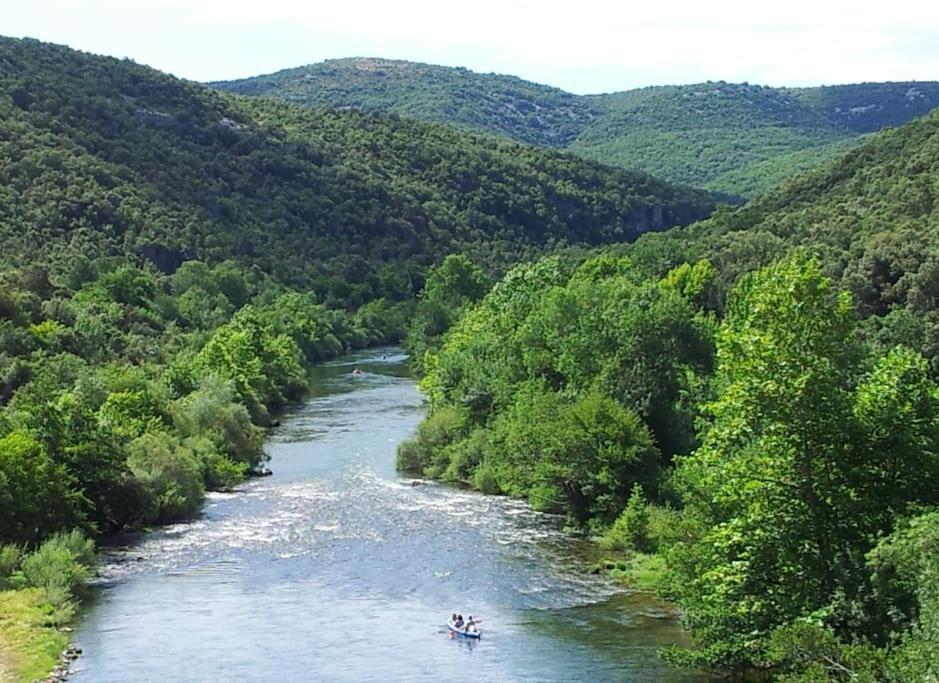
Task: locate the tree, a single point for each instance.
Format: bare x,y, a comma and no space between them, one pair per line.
451,287
788,487
584,455
35,494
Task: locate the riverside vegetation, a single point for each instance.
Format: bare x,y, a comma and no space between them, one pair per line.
174,259
747,408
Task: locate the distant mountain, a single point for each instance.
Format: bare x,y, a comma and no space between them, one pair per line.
740,138
100,156
736,138
488,103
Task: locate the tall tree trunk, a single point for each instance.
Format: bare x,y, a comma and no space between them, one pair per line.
578,502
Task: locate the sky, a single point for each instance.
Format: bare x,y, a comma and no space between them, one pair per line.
583,46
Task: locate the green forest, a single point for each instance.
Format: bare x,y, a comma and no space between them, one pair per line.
739,139
103,157
745,410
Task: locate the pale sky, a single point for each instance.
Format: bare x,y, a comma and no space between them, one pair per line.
584,46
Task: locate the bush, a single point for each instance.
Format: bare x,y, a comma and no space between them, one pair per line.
485,480
425,452
546,498
665,525
170,476
213,412
10,557
466,455
219,472
630,531
59,568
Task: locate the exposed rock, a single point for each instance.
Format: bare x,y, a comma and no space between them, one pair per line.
64,667
231,124
160,118
260,471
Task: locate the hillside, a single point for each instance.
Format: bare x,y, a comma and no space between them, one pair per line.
739,139
744,139
505,105
104,156
872,216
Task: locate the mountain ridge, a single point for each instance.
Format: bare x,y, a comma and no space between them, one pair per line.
735,138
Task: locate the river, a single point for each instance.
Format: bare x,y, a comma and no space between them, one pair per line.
337,569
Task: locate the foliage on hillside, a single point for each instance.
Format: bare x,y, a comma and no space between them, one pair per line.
505,105
744,139
737,139
873,219
125,393
106,157
774,458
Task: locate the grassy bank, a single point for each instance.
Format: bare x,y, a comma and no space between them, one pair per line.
30,641
39,594
641,571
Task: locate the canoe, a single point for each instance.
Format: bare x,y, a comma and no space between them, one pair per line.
461,632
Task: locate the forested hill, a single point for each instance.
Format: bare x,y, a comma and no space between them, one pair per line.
506,105
102,156
741,138
736,138
873,218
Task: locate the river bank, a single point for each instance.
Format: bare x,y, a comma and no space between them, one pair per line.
30,648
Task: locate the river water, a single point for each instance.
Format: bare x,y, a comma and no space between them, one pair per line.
337,569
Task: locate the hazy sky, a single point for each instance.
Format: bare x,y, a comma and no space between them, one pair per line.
582,45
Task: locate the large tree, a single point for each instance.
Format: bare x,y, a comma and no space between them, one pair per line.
798,472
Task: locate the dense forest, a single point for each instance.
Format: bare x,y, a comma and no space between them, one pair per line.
490,103
746,409
125,394
106,157
739,139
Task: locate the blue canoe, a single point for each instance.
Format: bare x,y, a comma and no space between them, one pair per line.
462,632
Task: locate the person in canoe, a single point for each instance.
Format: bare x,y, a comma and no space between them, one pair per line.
357,372
470,626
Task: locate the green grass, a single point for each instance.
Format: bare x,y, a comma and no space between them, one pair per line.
642,571
29,646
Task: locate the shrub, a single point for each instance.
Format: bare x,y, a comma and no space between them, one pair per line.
10,557
630,531
59,568
484,479
465,456
213,412
546,498
425,452
169,474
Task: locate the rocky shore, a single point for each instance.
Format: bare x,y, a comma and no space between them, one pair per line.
64,667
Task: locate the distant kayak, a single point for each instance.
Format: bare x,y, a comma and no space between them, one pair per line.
463,632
